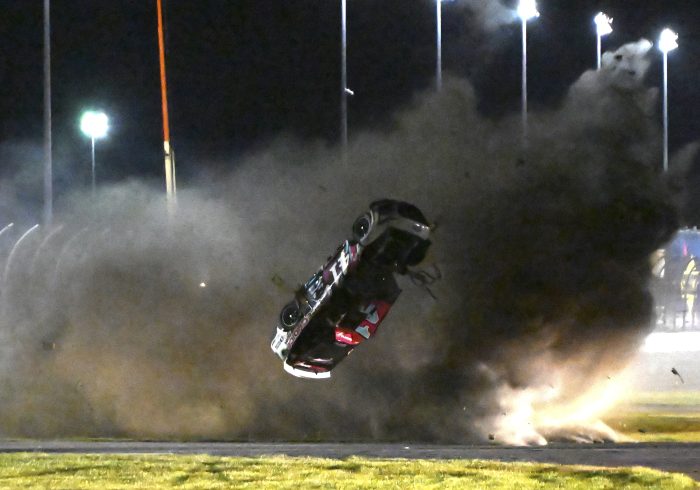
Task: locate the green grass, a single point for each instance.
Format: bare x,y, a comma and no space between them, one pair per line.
659,417
29,470
678,399
657,426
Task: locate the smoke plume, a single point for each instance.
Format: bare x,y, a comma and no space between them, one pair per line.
489,14
134,319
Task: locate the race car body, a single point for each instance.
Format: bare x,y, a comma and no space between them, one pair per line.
308,299
346,300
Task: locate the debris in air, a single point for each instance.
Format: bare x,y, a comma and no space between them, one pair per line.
344,302
674,371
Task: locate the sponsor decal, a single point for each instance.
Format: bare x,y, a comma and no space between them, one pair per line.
374,311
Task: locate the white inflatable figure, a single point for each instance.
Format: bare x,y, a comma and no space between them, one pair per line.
615,100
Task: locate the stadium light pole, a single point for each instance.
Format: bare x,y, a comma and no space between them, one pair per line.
48,170
603,25
344,91
527,9
668,41
94,125
438,43
438,37
168,152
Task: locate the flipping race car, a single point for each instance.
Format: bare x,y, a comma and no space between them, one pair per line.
344,302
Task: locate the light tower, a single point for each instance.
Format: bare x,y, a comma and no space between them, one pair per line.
48,164
438,44
668,41
527,9
344,90
168,152
603,25
94,125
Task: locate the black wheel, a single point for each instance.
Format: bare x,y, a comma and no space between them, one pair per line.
362,227
290,316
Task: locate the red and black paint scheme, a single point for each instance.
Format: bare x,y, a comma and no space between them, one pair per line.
346,300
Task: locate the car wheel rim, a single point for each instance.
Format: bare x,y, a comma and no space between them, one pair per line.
289,316
361,227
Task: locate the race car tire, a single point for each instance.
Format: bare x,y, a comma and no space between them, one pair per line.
290,316
362,227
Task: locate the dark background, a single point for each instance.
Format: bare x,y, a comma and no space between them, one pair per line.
243,72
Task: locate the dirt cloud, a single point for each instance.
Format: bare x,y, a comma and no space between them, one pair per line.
130,320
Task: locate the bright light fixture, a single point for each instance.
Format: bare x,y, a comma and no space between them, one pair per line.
668,40
527,9
603,24
94,124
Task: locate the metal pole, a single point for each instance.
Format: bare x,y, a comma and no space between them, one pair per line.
167,150
344,78
93,165
598,51
48,172
438,67
665,111
524,87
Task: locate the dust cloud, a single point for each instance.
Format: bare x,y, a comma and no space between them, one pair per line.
129,319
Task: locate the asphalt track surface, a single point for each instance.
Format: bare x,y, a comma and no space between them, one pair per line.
675,457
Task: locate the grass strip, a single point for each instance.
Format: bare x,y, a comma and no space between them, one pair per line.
670,398
657,426
671,416
75,472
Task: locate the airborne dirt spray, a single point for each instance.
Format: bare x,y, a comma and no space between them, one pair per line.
130,322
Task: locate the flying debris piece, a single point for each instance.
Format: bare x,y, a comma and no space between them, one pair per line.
425,278
48,345
344,302
674,371
279,282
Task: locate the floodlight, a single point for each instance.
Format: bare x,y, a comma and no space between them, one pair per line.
603,24
527,9
668,41
94,124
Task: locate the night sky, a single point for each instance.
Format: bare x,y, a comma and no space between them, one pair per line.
242,73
